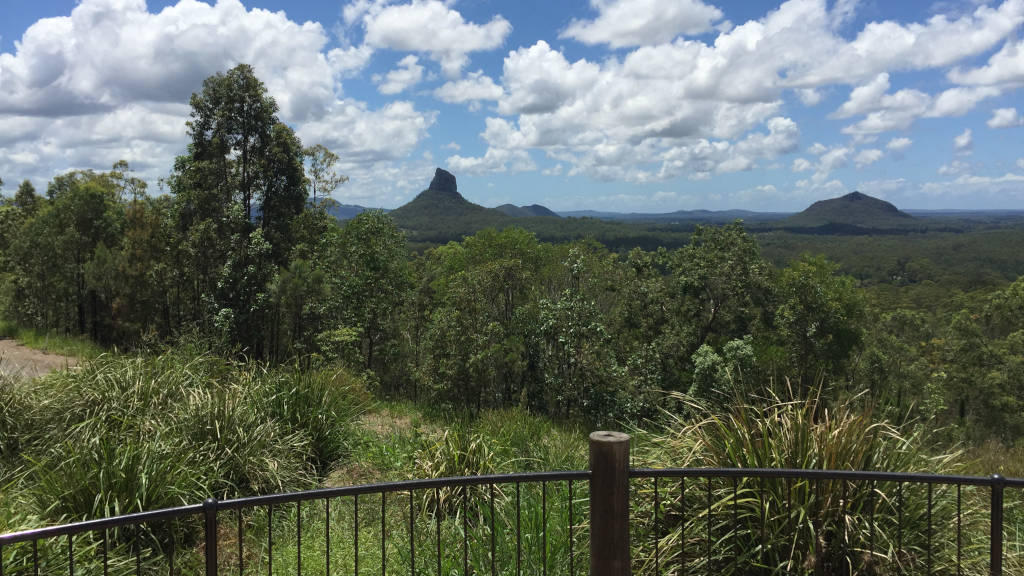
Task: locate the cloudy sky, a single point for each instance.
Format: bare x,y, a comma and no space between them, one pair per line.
630,105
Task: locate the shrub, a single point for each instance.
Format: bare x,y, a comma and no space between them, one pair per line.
819,527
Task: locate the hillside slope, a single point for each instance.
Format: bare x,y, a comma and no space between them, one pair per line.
526,211
440,213
853,209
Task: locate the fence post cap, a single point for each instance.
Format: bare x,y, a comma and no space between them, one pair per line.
997,478
608,436
210,503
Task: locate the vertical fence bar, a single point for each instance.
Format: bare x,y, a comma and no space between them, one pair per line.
995,552
465,531
327,536
170,554
138,551
412,536
682,526
708,570
572,571
871,521
270,540
241,540
959,534
609,504
519,536
929,557
437,527
544,528
763,509
355,533
35,557
298,538
383,535
106,553
210,534
657,546
71,556
494,558
735,524
899,523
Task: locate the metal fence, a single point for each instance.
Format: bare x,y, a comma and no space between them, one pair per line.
615,519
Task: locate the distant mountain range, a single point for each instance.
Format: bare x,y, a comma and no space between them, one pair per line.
680,215
440,214
349,211
526,211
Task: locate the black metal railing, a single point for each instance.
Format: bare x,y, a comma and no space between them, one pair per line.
456,520
749,521
616,519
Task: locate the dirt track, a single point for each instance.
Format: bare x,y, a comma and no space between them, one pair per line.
18,360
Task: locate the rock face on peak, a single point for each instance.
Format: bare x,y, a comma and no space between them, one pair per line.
444,181
853,209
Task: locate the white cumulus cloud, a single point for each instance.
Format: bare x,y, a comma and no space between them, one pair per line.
622,23
494,160
801,165
963,142
899,144
431,27
408,74
1005,118
867,157
474,87
1004,67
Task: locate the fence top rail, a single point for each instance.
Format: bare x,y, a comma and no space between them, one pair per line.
806,474
454,481
402,486
100,524
288,498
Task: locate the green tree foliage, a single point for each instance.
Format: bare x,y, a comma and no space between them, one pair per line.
818,319
51,253
983,353
323,179
239,154
25,198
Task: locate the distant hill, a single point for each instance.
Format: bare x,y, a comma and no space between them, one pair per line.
440,212
348,211
854,209
698,216
526,211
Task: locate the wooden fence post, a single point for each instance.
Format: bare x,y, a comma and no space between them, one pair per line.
609,504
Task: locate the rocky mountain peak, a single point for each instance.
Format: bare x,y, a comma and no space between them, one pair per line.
444,181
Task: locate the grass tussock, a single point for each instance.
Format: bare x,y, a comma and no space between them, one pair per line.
799,526
126,434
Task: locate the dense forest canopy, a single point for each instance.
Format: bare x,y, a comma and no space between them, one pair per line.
243,255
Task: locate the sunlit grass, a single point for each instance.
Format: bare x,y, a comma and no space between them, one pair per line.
51,342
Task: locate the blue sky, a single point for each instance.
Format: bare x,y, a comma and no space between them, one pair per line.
628,105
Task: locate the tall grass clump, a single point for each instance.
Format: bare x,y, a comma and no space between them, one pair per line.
801,526
126,434
17,399
322,404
